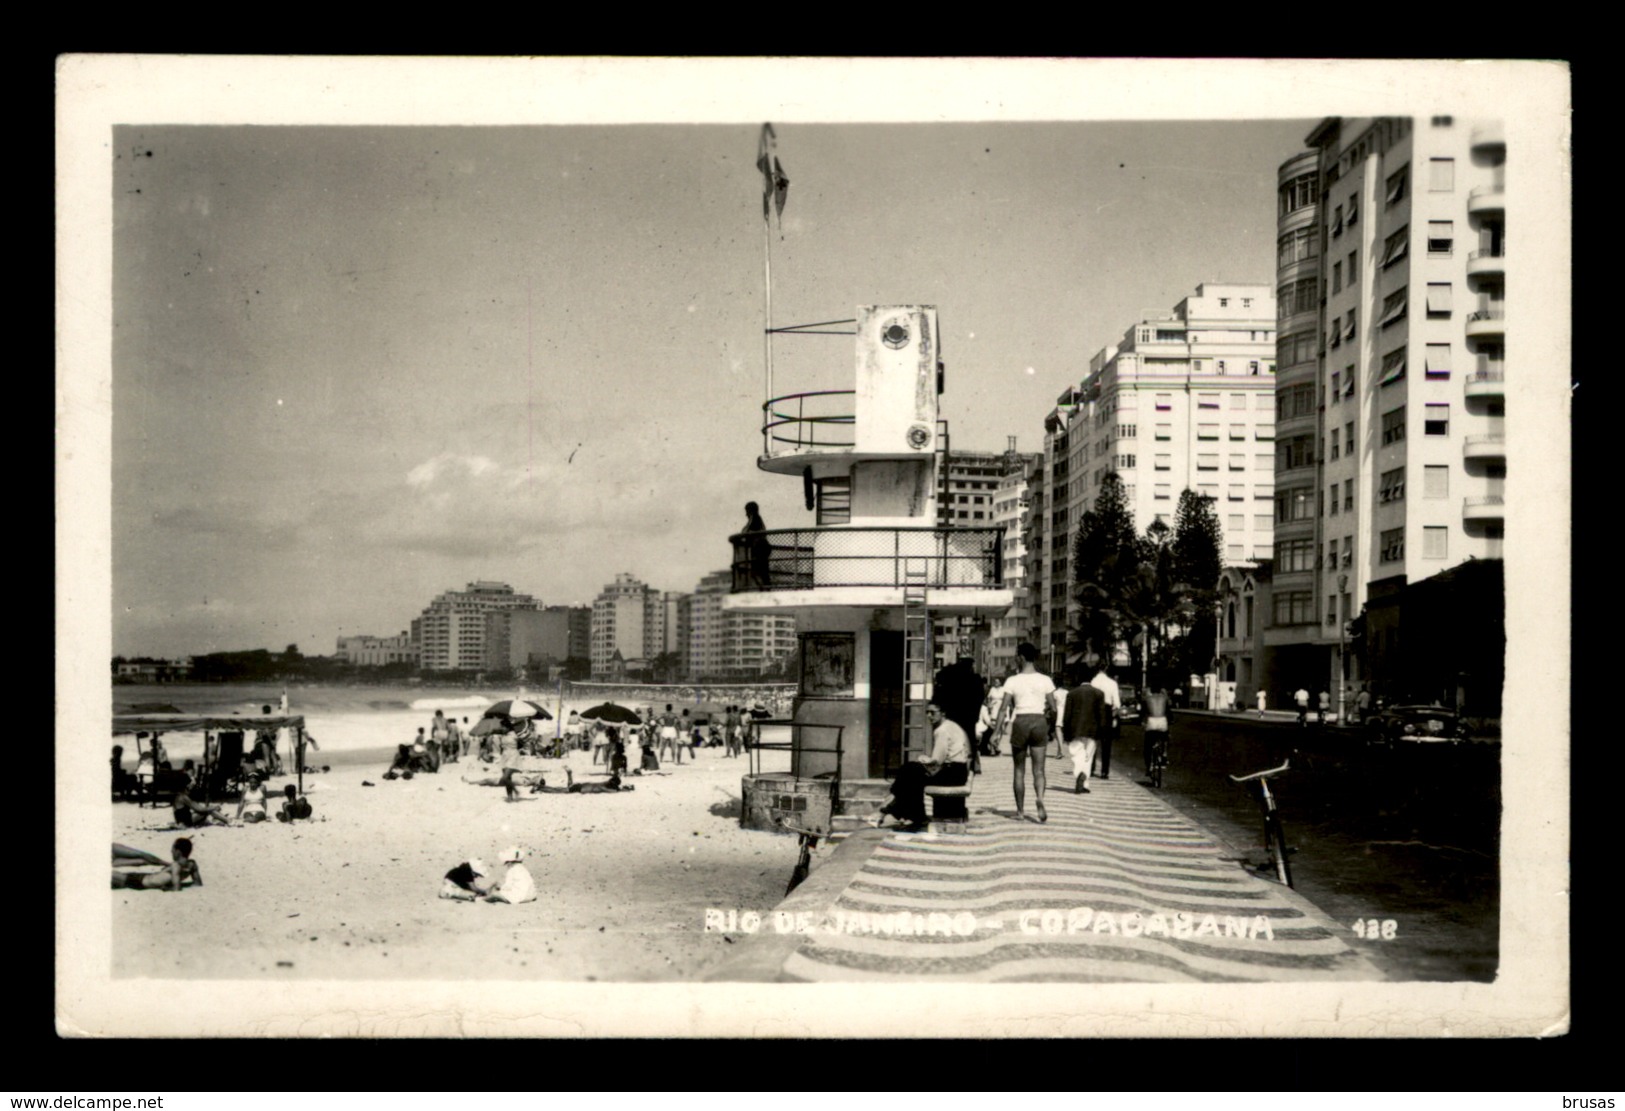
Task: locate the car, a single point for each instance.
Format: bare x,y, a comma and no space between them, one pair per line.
1417,725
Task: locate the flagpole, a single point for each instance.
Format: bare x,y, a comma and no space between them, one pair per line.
767,285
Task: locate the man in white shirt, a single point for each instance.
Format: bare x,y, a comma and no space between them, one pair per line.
1301,697
1029,704
1107,686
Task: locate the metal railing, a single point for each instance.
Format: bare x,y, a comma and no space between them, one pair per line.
1487,314
843,556
809,422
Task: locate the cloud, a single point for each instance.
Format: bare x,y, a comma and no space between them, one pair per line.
427,472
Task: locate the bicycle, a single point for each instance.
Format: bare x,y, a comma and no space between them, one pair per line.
1157,742
1274,835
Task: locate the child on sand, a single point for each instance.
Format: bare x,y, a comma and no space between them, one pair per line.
294,805
171,877
516,884
466,882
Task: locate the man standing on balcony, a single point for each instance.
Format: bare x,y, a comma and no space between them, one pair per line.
757,545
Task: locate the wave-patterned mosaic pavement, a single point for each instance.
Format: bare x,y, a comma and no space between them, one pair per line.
1115,887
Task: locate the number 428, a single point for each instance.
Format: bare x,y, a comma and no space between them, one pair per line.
1371,929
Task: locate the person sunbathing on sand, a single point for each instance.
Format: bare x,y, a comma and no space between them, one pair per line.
612,784
171,877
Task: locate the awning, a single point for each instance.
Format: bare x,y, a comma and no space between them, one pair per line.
197,723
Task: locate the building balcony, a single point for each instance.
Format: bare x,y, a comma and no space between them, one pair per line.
1489,137
1487,199
959,569
1487,264
1486,324
1487,448
1486,507
1487,383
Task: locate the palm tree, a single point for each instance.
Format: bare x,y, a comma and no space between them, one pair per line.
665,665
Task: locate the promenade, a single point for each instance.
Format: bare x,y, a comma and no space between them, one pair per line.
1115,887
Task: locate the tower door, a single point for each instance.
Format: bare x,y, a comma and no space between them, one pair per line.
885,702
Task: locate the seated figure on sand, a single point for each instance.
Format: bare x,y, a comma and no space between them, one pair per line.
468,881
294,805
516,884
255,804
612,784
191,813
170,877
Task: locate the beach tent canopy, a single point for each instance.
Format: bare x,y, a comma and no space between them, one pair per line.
197,723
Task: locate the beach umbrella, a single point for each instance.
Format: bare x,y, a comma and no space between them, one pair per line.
518,708
485,727
611,714
760,711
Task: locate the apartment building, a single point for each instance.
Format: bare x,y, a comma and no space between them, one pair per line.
1391,392
731,644
450,633
627,617
536,638
974,482
1011,506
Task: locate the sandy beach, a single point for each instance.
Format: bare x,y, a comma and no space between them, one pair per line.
623,879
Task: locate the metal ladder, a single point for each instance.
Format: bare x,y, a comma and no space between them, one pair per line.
916,659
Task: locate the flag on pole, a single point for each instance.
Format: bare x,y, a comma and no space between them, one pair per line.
775,185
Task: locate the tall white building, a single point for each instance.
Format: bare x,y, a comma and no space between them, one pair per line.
627,617
450,633
1392,273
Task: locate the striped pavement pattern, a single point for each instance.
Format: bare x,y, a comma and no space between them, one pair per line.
1115,887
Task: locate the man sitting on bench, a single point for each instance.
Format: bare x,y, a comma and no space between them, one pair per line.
947,765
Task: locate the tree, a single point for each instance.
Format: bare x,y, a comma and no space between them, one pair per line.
665,666
1196,564
1105,559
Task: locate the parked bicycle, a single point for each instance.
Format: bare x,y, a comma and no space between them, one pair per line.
1274,836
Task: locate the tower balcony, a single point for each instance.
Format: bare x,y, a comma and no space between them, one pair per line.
1486,324
1486,448
959,569
797,428
1487,383
1487,264
1485,507
1487,199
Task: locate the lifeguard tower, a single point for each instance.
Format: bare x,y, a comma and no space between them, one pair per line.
867,580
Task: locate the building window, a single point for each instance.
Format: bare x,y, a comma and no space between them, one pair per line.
1165,432
1337,385
1395,246
1207,462
1238,431
1436,419
1393,307
1348,384
1393,486
1443,121
1435,482
1126,431
1294,607
1302,295
1295,401
1438,360
1354,209
1441,175
1236,522
1393,545
1162,491
1208,490
1441,238
1165,402
1337,221
1125,462
1295,451
1350,329
1348,496
1207,432
1297,193
1233,492
1393,426
1393,367
1348,438
1264,461
1337,277
1207,401
1439,299
1294,505
1235,553
1354,267
1263,520
1238,461
1164,462
1395,190
1334,452
1331,499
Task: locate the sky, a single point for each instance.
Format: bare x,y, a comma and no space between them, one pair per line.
353,366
